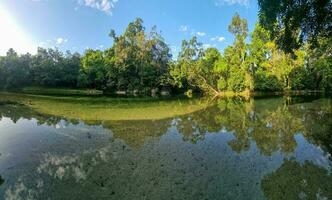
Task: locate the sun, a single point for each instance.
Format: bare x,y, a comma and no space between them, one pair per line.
12,35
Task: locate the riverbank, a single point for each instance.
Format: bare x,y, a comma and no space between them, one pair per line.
103,108
60,91
166,94
246,94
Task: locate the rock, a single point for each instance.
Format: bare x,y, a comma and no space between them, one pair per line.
136,92
121,92
154,91
165,93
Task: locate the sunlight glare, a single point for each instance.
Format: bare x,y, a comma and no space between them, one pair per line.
12,36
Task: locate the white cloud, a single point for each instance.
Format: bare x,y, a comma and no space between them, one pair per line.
201,34
60,41
183,28
218,38
103,5
206,46
244,3
54,43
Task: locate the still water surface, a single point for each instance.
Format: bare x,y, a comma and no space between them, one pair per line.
268,148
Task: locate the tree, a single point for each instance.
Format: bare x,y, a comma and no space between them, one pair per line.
240,67
141,59
204,74
294,22
259,55
320,64
183,71
14,70
93,69
52,68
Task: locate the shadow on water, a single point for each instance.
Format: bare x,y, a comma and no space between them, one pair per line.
2,181
273,148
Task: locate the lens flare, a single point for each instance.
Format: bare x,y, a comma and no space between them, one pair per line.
12,35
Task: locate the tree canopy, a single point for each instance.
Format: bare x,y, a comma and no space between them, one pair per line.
293,23
139,61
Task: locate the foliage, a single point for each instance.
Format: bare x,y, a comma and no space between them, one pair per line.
183,72
140,59
294,22
14,69
61,91
51,68
320,64
140,62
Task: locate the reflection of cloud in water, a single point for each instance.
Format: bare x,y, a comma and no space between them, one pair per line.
53,168
229,145
59,167
18,192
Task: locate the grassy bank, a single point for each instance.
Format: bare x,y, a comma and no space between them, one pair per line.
61,91
104,108
246,94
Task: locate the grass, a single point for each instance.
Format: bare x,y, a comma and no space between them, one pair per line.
61,91
105,108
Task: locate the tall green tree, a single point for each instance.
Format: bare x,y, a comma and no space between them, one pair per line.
14,70
260,53
93,72
240,72
319,64
292,22
183,72
141,59
52,68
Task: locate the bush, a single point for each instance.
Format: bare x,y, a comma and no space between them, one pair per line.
236,81
266,82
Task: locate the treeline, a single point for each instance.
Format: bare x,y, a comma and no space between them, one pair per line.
49,68
141,62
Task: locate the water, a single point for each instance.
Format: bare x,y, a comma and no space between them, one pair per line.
269,148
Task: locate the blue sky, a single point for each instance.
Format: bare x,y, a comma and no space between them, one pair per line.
79,24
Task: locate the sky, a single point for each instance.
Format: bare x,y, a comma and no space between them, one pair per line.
76,25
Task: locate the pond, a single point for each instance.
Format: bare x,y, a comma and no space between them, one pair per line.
107,148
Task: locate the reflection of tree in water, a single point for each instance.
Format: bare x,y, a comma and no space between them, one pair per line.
16,112
317,119
237,117
270,123
298,181
276,131
136,133
194,126
321,133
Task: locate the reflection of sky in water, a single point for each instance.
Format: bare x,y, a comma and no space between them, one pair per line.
204,155
312,153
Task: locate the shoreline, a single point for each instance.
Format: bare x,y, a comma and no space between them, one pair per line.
127,94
